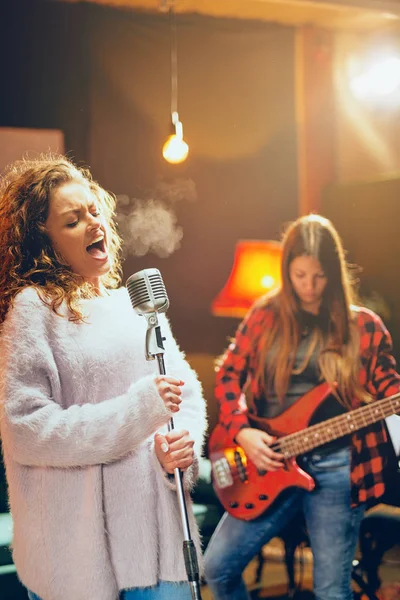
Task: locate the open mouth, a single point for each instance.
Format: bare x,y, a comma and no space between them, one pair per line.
97,249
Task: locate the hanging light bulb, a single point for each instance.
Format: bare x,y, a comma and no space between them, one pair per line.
175,149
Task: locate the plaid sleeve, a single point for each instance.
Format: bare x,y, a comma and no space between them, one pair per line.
380,378
376,342
369,451
235,370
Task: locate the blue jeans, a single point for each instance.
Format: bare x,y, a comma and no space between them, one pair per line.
332,524
165,590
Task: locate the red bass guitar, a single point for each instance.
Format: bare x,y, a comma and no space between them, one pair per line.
244,491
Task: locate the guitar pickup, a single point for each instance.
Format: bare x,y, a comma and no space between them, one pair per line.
241,468
222,473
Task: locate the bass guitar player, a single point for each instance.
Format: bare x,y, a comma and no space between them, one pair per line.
303,390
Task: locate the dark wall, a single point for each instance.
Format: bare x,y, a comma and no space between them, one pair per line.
367,216
103,77
236,100
45,69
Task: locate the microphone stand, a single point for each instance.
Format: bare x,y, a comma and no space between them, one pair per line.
155,349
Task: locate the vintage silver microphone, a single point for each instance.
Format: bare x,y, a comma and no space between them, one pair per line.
147,292
148,296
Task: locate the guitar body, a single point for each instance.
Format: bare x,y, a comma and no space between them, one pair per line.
245,492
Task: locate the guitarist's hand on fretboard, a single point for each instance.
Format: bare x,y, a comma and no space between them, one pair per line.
256,445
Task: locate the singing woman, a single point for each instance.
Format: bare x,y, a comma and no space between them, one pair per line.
83,414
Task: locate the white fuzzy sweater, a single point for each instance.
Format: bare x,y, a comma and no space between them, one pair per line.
93,510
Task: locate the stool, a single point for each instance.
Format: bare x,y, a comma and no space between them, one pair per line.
379,531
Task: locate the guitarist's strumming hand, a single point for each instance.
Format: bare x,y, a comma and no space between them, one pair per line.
256,445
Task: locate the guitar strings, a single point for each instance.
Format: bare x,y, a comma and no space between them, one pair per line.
299,441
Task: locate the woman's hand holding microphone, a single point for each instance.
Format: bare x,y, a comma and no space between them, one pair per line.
174,450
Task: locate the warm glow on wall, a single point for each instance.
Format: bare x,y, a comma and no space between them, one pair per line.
256,270
375,76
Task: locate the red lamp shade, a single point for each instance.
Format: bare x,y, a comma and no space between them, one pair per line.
256,270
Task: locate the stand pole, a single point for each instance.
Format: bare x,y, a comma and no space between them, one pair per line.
155,349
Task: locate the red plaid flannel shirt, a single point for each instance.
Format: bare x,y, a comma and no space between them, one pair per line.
377,374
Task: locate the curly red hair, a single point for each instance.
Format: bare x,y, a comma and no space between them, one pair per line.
27,255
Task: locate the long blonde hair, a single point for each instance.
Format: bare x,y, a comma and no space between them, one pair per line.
27,254
337,346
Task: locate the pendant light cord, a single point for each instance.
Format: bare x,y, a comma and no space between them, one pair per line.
174,60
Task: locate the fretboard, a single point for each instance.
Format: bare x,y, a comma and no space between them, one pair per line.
332,429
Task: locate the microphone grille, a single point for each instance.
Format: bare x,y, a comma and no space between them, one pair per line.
147,291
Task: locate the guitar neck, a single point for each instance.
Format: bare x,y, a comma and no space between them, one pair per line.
337,427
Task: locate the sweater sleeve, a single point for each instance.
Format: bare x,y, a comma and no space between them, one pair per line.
192,413
36,429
